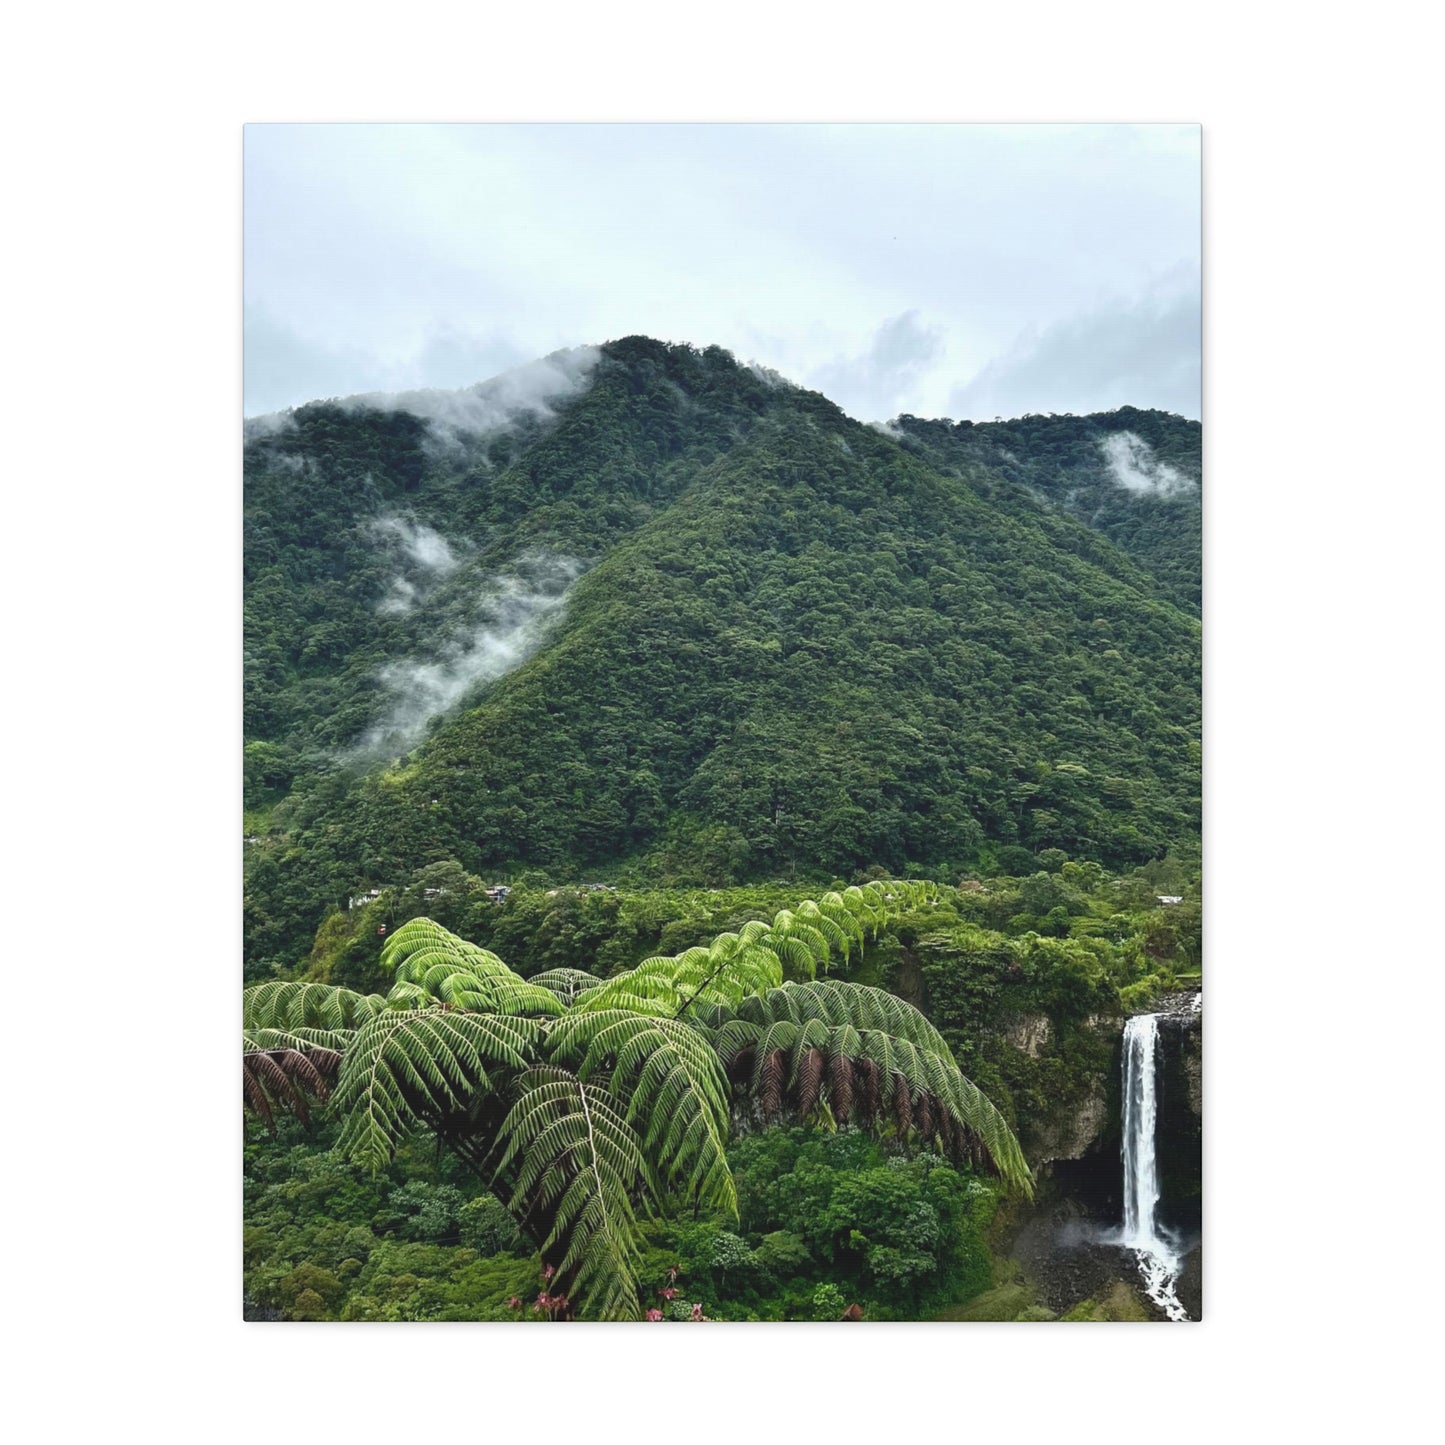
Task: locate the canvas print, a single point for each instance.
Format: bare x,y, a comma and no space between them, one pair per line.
722,723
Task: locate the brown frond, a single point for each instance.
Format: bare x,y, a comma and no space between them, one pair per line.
923,1115
979,1155
740,1069
840,1087
282,1078
255,1097
870,1100
772,1083
902,1105
947,1133
810,1081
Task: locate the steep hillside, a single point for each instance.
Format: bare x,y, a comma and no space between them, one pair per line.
679,620
1133,475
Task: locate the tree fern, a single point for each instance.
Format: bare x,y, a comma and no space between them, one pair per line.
608,1096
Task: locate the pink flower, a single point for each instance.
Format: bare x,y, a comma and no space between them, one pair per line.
672,1274
544,1301
668,1293
514,1303
548,1271
697,1313
654,1315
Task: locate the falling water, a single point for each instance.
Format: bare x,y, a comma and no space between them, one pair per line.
1158,1259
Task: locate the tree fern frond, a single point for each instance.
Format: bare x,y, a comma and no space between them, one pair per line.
566,983
835,1002
673,1088
405,1068
729,970
302,1040
278,1072
432,963
579,1166
803,1040
285,1005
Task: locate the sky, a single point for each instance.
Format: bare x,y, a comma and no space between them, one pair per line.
944,270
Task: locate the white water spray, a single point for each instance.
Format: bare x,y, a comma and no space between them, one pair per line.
1158,1259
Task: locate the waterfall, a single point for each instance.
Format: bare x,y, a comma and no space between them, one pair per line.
1158,1259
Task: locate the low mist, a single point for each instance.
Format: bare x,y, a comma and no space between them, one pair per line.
425,557
1134,466
513,617
488,407
491,406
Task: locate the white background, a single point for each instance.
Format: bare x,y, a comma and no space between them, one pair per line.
122,604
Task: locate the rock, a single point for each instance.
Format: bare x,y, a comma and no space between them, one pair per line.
1070,1135
1029,1033
1194,1071
1190,1288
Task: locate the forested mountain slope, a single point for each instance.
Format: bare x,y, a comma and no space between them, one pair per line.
679,619
1133,475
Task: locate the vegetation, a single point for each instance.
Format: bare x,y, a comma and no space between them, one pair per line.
1058,464
602,1102
898,1230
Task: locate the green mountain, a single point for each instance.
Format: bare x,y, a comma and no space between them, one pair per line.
651,613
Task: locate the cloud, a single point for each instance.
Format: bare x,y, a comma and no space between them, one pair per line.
514,614
484,407
1144,353
770,378
1134,466
489,406
428,552
425,546
871,385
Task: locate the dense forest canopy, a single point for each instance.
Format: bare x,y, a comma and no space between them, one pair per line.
835,1204
684,624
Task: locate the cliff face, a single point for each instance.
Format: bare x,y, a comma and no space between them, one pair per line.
1180,1138
1073,1066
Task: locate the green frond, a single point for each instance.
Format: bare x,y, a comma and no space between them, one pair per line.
579,1166
306,1005
566,983
835,1002
790,925
304,1041
420,1066
673,1087
729,970
433,964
